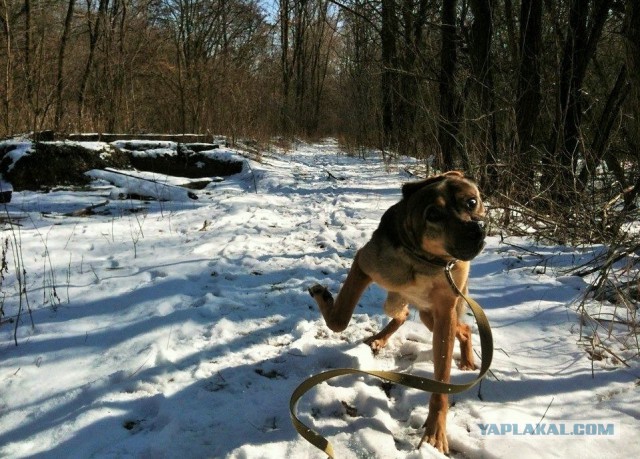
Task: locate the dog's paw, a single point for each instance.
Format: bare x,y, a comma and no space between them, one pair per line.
439,442
435,434
465,365
320,292
376,344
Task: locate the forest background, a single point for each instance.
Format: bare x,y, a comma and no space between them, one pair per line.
531,97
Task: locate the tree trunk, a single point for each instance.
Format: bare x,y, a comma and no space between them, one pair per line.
528,96
581,41
610,113
632,58
28,71
511,30
450,106
388,34
285,67
482,67
94,34
61,57
8,76
300,60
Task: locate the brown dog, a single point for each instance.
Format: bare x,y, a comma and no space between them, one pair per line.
438,220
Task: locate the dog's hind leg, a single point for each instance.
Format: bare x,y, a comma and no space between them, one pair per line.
463,334
337,314
395,307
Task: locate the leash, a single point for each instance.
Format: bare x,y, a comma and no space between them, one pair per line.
404,379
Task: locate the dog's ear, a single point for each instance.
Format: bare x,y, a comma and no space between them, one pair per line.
409,188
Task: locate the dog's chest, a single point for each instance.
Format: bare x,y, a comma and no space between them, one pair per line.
417,289
420,291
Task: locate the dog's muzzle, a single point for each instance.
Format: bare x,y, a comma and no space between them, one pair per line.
477,229
470,240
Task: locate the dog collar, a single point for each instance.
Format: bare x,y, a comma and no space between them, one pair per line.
432,260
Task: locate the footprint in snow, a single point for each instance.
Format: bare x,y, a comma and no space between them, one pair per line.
157,273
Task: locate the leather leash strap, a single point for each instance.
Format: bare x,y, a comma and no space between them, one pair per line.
404,379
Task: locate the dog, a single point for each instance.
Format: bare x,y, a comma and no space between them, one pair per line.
439,220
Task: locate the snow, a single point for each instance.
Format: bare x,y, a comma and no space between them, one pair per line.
95,146
155,152
5,186
130,184
146,145
181,328
228,155
16,149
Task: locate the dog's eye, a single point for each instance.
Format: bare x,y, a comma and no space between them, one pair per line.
472,203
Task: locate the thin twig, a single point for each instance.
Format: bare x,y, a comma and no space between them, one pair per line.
545,412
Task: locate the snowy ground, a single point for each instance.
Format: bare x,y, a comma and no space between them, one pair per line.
183,327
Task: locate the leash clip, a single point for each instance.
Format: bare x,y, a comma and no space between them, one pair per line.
449,276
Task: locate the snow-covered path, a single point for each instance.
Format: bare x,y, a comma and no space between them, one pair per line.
183,328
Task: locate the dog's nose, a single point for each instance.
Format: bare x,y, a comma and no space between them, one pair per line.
477,229
482,225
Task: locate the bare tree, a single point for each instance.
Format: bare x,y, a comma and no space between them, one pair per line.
388,34
94,29
8,67
586,22
482,68
307,32
27,53
360,82
450,103
632,59
60,81
528,96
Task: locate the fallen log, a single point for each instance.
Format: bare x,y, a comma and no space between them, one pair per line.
139,186
86,211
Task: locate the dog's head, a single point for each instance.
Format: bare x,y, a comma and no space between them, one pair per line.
445,216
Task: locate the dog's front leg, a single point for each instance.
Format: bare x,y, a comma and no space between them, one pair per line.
444,331
337,314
